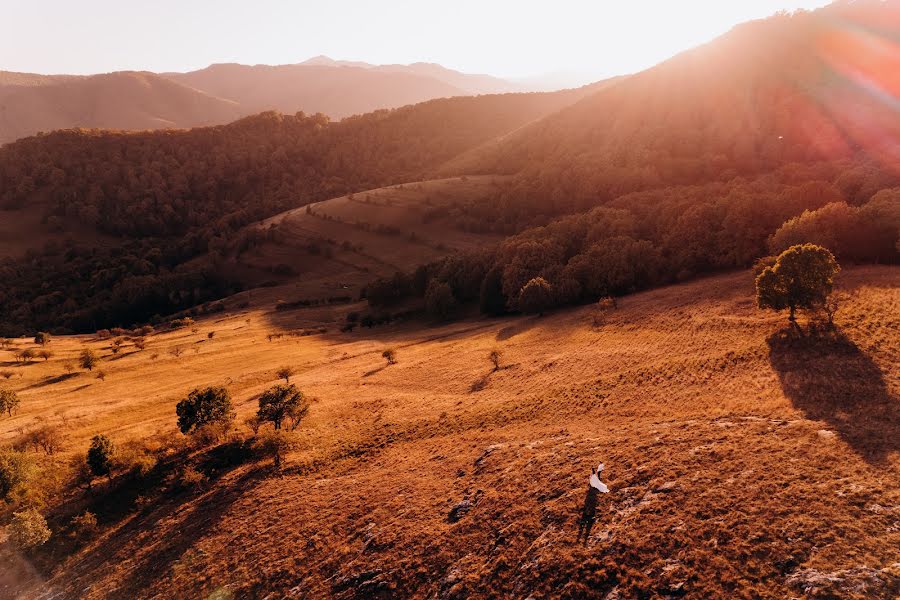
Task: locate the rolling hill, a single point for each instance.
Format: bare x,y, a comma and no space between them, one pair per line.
124,100
441,477
218,94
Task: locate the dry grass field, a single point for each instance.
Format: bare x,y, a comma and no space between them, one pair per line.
743,462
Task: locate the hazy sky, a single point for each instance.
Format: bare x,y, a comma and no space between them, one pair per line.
512,38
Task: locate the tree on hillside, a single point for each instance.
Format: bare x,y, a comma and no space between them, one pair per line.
390,355
280,403
285,373
14,469
88,359
9,402
439,300
491,300
28,529
42,338
495,356
801,277
204,407
99,456
536,296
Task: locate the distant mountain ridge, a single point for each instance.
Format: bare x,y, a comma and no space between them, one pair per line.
220,93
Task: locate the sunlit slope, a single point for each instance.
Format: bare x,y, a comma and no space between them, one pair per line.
741,464
333,248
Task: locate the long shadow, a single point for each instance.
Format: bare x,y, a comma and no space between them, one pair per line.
52,380
830,379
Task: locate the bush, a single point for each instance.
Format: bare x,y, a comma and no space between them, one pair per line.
390,355
275,443
280,403
285,373
204,406
84,526
802,277
47,438
42,338
9,402
88,359
536,296
100,455
28,529
14,467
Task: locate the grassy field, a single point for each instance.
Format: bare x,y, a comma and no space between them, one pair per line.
336,246
742,462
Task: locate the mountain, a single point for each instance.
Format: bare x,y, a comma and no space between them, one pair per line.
124,100
220,93
337,91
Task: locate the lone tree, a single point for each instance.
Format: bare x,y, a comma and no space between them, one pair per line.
204,407
801,277
536,296
42,338
99,456
280,403
495,357
9,402
285,373
88,359
390,355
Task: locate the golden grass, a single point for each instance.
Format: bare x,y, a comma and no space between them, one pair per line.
737,461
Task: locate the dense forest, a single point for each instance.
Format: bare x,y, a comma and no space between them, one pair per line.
645,239
177,198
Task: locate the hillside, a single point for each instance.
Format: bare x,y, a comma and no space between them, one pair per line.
741,463
335,247
177,196
337,89
124,100
793,89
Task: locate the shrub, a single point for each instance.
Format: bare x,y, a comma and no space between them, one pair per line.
84,526
285,373
14,468
494,356
42,338
88,359
204,406
210,335
190,478
6,374
140,343
101,375
536,296
9,402
390,355
103,334
45,354
28,529
280,403
802,277
100,455
47,438
275,443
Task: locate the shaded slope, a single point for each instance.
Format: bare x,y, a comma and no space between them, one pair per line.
723,483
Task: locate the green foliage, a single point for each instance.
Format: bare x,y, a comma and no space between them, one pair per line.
536,296
280,403
100,456
14,469
28,529
9,402
801,277
203,407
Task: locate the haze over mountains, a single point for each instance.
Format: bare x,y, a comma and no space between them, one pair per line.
221,93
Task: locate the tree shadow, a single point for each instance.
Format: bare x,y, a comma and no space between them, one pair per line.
830,379
375,371
52,380
518,328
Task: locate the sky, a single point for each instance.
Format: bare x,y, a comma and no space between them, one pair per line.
583,40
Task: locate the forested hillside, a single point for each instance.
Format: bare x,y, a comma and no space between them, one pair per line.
173,196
